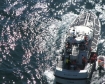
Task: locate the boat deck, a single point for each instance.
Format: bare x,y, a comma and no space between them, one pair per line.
89,20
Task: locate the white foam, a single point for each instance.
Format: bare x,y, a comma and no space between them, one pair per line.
101,41
19,11
11,5
69,17
98,8
101,9
104,44
50,77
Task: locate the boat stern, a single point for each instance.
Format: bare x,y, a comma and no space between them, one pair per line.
63,76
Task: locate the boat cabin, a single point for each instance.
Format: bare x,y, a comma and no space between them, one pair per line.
77,44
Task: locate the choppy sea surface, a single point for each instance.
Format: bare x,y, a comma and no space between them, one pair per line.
31,35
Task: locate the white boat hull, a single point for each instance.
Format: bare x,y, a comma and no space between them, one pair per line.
74,77
64,74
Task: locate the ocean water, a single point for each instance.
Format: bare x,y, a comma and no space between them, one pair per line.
32,33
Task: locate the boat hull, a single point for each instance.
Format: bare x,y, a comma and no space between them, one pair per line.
74,77
87,19
66,81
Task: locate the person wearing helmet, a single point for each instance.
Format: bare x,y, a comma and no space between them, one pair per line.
100,68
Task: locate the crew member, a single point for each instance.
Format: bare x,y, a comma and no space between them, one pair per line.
95,57
100,68
86,38
68,50
67,45
74,64
84,61
63,54
68,63
66,60
92,59
82,47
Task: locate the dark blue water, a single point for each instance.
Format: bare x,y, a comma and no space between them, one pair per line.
31,34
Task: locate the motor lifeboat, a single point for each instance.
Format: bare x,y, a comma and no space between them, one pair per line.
76,62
